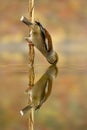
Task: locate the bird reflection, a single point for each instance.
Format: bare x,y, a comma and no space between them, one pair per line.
39,93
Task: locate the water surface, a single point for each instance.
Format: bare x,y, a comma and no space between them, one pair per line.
65,107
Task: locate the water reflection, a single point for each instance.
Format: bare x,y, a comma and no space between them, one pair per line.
39,92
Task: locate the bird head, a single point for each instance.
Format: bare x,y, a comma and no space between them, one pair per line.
52,57
52,71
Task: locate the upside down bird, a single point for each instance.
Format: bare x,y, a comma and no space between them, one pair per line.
41,39
41,90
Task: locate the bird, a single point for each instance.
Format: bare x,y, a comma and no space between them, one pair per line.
41,39
41,90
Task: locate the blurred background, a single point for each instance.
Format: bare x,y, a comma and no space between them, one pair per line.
66,108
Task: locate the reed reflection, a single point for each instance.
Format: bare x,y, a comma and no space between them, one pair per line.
41,90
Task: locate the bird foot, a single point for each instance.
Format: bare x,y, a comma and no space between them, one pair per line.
28,89
29,41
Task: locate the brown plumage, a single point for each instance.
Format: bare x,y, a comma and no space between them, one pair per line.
41,39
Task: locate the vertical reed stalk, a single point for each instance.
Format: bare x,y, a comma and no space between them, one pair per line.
31,18
31,63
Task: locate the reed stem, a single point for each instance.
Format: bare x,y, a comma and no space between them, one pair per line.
31,63
31,19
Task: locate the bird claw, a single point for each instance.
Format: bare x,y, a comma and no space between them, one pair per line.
29,41
28,89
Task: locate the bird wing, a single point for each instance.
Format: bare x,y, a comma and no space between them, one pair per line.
48,41
46,36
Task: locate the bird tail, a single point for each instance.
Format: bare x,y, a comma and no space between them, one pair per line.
26,21
25,109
